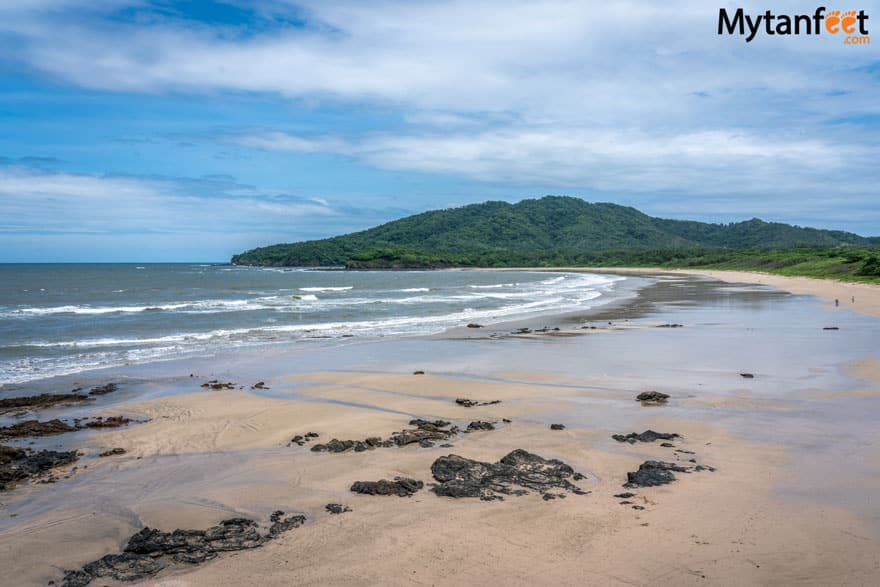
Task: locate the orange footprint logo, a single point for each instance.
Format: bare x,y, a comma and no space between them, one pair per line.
832,20
847,23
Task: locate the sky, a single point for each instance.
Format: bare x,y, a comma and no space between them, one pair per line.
160,130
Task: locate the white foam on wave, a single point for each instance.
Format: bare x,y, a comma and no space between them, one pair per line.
320,289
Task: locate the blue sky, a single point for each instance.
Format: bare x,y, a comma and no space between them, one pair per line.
158,130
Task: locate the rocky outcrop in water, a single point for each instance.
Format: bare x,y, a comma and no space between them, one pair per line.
56,426
102,422
104,389
17,464
44,400
401,487
646,436
218,385
149,551
652,397
514,474
35,428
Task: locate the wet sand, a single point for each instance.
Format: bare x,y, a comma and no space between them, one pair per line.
796,452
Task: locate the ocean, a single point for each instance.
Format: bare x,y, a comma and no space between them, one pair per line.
67,318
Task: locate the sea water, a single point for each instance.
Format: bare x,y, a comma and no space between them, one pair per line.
63,319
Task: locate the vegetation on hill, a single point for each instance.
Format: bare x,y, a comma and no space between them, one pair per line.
563,231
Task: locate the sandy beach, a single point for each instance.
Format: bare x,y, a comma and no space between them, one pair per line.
773,400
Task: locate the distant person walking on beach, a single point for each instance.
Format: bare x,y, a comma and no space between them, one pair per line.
836,302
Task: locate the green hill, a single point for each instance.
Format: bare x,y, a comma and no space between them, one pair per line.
551,231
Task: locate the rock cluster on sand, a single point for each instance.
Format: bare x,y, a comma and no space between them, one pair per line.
149,551
512,475
112,452
478,426
17,464
401,487
337,508
646,436
652,473
652,397
300,439
425,434
470,403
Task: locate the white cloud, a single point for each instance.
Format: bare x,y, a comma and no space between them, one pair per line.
620,97
46,202
609,160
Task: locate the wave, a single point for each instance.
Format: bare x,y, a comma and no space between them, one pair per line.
414,289
320,289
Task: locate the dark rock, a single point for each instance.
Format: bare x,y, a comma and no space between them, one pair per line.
638,507
646,436
401,487
747,375
149,550
667,444
259,385
479,425
122,567
506,420
418,372
472,325
426,433
652,473
625,495
217,385
470,403
337,508
523,331
16,464
44,400
280,524
670,326
35,428
108,422
514,474
687,452
652,397
112,452
311,435
831,328
104,389
557,426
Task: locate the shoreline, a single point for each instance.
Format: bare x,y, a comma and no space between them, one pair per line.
867,295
